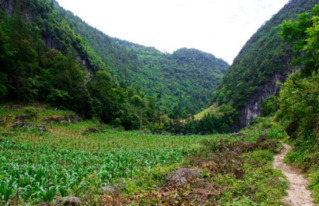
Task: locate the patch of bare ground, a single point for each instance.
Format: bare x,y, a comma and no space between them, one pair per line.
298,195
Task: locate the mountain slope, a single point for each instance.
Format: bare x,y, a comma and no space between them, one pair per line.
40,58
186,78
261,63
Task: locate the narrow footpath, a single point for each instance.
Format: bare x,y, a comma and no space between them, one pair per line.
298,195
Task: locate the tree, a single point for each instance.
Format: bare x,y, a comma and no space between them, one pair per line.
137,101
303,34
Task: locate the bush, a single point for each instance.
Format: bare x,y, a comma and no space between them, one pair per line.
31,111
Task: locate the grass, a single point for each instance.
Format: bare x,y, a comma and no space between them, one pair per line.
209,110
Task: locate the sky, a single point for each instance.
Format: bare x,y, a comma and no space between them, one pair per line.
219,27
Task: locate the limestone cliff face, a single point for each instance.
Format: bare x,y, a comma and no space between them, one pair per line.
252,108
84,62
50,41
6,6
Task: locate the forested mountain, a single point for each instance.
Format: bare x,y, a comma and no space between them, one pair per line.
48,55
264,60
184,79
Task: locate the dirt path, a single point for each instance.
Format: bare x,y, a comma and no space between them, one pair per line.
298,195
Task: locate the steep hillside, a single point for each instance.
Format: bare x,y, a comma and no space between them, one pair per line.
44,60
261,63
186,78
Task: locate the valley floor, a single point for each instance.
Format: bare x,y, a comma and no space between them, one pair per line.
53,154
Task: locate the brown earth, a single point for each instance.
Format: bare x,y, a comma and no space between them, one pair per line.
298,195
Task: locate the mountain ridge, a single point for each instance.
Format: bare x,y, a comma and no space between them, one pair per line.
150,70
262,61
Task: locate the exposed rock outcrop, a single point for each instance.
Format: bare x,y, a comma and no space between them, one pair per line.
69,201
252,108
50,42
111,189
69,119
20,123
90,131
84,62
183,176
6,6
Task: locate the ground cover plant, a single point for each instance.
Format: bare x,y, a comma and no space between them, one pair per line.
37,166
78,158
226,172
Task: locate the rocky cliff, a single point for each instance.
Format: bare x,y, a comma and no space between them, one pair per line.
261,63
6,6
252,108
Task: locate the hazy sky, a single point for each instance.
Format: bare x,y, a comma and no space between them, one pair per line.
220,27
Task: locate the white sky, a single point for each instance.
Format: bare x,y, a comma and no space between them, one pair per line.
219,27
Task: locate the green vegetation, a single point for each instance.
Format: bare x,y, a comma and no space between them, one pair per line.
96,76
185,79
243,177
264,55
66,161
45,154
299,110
30,72
297,104
39,166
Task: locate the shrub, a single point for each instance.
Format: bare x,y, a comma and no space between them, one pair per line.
31,111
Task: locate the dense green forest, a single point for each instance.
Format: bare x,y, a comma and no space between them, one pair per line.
263,55
186,79
32,72
95,75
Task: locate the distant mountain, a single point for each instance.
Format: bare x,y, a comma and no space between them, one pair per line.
261,63
187,78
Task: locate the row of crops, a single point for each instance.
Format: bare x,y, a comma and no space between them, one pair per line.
37,167
40,173
72,138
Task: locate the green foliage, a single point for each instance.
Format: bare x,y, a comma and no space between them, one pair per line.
263,55
258,184
137,101
264,123
299,101
31,72
144,180
31,111
303,35
58,97
184,79
269,106
208,124
63,162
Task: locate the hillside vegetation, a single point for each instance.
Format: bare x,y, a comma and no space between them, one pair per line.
295,109
186,79
264,55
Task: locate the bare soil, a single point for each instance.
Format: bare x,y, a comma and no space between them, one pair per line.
298,195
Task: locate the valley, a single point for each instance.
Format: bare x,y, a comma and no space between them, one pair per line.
88,119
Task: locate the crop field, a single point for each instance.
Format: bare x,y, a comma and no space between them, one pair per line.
37,167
